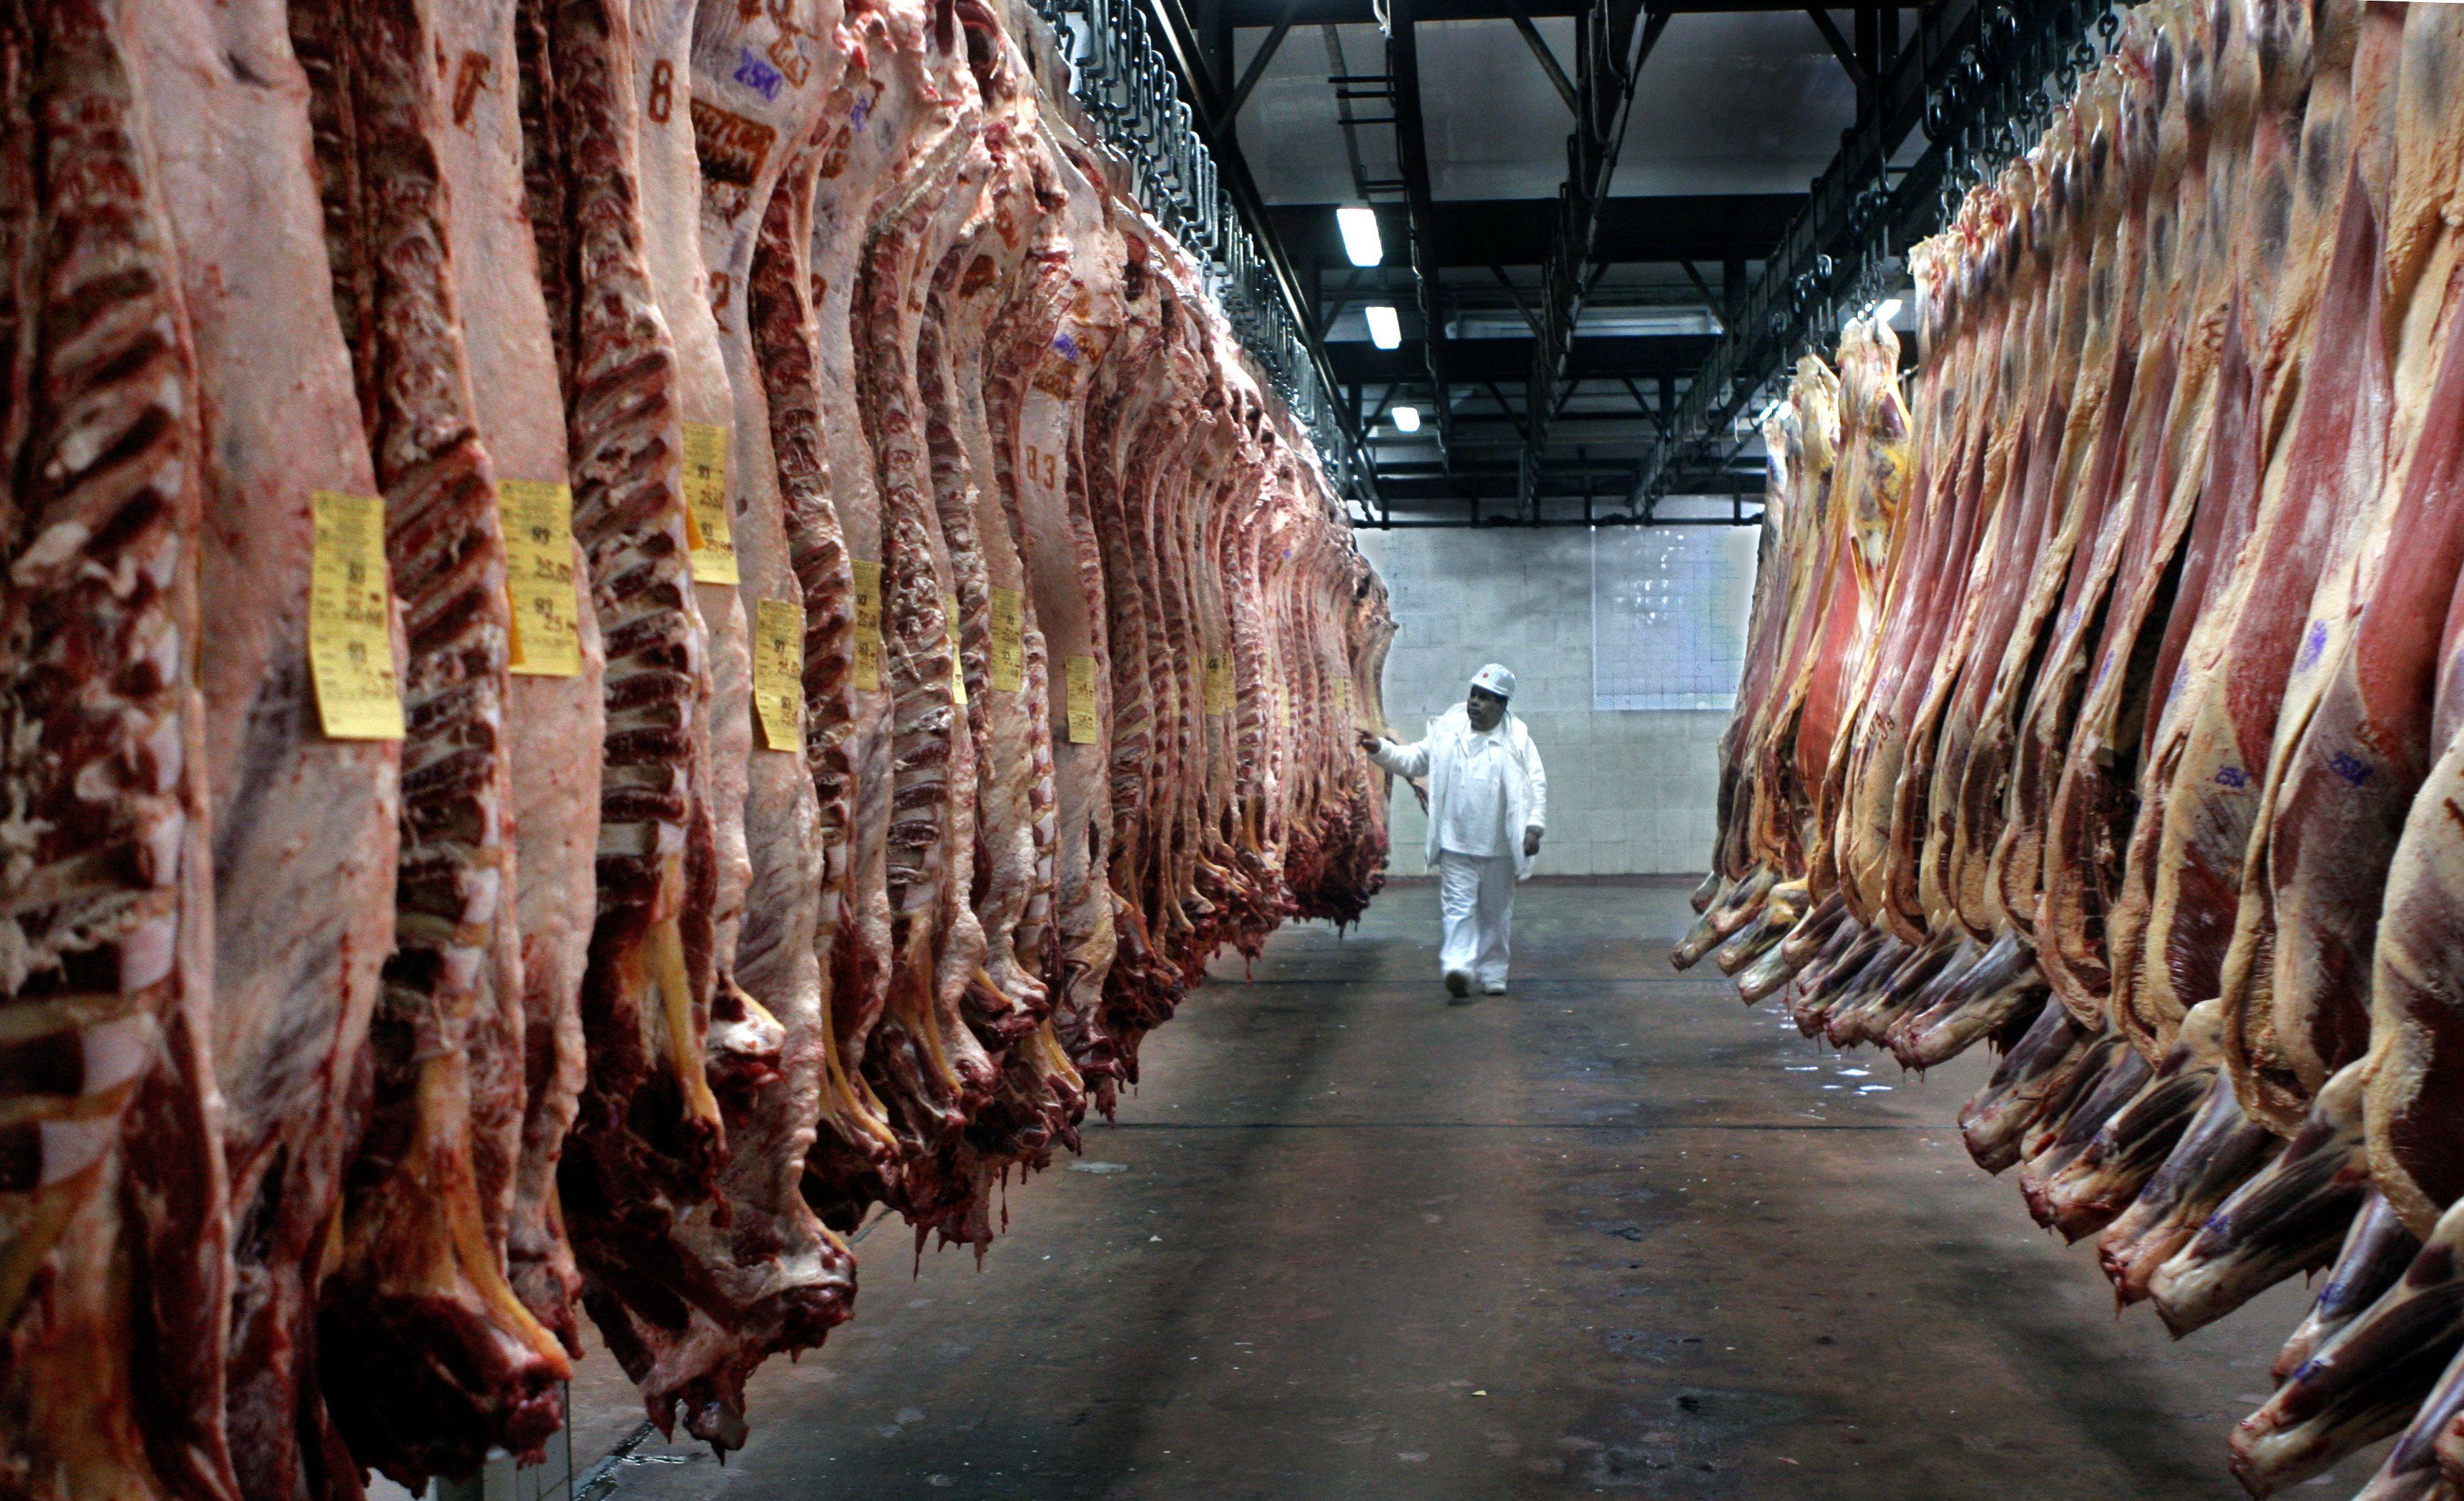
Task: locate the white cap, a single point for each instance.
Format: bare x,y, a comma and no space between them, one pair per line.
1496,679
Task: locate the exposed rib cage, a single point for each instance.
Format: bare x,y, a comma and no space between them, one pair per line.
421,1283
116,1237
854,1139
2118,721
625,986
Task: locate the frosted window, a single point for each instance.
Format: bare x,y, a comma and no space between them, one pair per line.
1669,615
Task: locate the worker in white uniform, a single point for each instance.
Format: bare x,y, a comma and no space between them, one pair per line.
1488,802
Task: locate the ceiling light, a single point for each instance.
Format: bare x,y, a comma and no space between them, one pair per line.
1385,330
1407,419
1360,241
1889,310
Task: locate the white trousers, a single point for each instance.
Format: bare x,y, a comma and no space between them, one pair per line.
1476,901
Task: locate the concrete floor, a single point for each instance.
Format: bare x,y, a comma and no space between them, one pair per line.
1610,1234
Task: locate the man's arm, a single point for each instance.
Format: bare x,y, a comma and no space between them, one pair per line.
1403,760
1539,777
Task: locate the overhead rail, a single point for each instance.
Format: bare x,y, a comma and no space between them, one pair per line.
1255,14
1192,181
1608,60
1976,77
1420,202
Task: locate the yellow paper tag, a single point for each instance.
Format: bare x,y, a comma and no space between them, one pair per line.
1085,707
351,647
958,665
1008,668
536,518
867,625
779,672
707,530
1219,684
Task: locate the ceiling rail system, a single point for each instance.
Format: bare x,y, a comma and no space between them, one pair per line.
1528,365
1976,79
1191,178
1608,60
1412,159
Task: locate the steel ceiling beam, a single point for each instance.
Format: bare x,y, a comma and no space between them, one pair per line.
1411,158
1842,49
1507,362
1956,73
1249,14
1177,40
1547,59
1481,233
1514,294
1257,69
1608,59
1713,302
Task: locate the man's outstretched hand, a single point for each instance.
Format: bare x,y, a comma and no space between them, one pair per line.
1531,842
1369,743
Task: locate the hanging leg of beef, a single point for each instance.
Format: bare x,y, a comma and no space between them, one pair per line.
115,1270
430,1358
304,827
555,726
853,1149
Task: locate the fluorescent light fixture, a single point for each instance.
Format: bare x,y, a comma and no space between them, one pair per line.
1360,241
1385,329
1407,419
1889,310
1606,322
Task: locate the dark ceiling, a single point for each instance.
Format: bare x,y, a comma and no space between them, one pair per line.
1577,255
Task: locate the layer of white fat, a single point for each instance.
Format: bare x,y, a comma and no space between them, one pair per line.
167,752
117,1052
485,885
147,951
161,842
72,1146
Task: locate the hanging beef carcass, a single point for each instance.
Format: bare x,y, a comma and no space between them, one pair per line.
2086,818
1995,243
1914,624
2041,355
555,710
862,148
117,1253
2091,314
644,1008
2136,188
2411,1061
2159,696
853,1151
641,1182
777,1280
2212,753
304,823
428,1359
927,1065
1041,387
620,708
2355,743
1766,622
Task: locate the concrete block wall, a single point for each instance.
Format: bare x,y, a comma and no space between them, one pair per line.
1629,793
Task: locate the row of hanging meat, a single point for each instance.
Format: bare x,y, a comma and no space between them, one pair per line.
2104,697
631,629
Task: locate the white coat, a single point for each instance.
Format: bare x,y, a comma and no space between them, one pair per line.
1527,784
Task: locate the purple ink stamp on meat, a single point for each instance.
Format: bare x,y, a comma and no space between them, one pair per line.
758,76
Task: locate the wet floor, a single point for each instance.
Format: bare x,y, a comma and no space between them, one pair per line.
1610,1234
